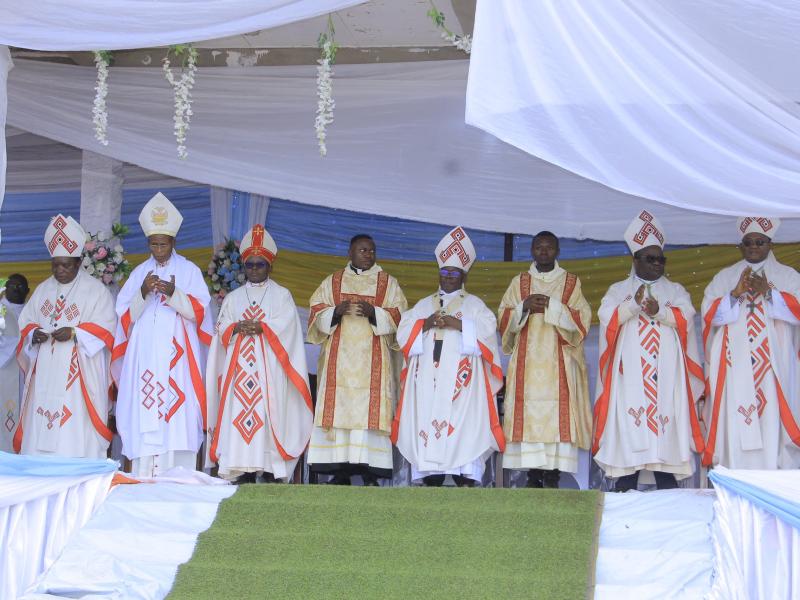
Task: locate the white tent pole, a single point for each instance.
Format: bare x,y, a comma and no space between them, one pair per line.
101,192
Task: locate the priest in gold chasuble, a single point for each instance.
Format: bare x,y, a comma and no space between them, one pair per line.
354,317
543,322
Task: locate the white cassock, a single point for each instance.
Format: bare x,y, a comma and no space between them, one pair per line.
65,403
158,363
11,380
446,419
751,363
260,410
648,382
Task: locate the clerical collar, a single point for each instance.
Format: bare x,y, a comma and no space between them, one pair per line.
646,281
250,284
356,270
450,295
758,266
546,275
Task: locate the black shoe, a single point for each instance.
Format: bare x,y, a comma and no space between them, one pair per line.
268,478
433,480
370,480
535,478
462,481
245,478
340,479
550,479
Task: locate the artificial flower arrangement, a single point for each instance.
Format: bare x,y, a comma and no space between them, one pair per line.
225,271
104,256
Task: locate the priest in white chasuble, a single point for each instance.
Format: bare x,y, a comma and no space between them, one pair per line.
260,410
354,316
650,378
750,330
160,350
543,322
64,350
446,421
11,380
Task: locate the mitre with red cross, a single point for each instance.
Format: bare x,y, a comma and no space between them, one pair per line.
761,225
645,230
456,250
159,216
64,237
258,242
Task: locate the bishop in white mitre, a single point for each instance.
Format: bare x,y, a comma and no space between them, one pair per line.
750,331
650,377
259,401
446,420
64,350
159,351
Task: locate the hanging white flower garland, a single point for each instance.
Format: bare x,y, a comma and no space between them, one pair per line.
102,59
462,42
182,87
325,102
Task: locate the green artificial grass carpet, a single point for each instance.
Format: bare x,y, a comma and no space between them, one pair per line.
315,541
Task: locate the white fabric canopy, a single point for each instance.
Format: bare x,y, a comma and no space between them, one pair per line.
688,103
756,535
398,147
120,24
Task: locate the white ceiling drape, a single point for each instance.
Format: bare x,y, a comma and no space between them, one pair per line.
399,146
693,104
122,24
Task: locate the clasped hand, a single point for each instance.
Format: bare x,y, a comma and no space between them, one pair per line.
357,308
62,334
536,303
247,327
751,282
441,321
649,305
153,283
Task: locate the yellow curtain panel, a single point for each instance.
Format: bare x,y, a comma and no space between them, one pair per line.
301,272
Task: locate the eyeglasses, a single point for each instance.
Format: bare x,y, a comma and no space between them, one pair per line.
449,272
252,266
654,260
751,243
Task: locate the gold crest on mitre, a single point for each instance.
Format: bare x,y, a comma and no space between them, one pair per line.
159,216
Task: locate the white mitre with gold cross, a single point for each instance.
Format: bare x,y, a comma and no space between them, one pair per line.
159,216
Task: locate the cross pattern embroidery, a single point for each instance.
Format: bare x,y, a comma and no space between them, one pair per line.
664,422
253,313
746,412
439,426
147,389
456,248
759,349
637,415
424,435
247,390
463,376
647,229
765,224
72,312
61,238
650,338
51,417
47,308
10,422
